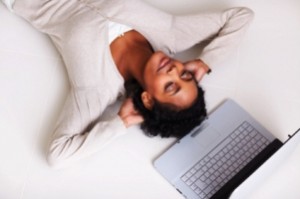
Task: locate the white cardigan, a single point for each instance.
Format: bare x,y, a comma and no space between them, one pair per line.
79,30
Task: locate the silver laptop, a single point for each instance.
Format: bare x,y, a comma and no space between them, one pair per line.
218,155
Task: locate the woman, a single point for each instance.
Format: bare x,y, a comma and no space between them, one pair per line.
107,43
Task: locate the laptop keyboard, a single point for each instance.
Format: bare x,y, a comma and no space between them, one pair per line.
208,175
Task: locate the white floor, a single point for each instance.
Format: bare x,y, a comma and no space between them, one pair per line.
262,76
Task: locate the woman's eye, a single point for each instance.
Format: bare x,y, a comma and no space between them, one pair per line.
170,87
186,75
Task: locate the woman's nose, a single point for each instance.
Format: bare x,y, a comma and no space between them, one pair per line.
172,72
174,69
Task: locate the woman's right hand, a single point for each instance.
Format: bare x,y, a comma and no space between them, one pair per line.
197,67
129,114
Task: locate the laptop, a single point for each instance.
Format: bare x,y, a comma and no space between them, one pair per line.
218,155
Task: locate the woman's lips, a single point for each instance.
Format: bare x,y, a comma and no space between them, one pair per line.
163,62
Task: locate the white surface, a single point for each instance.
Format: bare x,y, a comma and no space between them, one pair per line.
262,76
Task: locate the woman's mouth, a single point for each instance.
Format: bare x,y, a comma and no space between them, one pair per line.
163,62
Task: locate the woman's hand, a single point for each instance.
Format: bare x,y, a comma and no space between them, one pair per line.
128,114
198,68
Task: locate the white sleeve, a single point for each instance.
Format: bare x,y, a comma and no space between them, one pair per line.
79,132
232,26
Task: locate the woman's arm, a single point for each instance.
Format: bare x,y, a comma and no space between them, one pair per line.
80,132
233,25
78,32
221,32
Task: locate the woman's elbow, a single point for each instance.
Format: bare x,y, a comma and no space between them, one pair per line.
54,160
56,156
247,13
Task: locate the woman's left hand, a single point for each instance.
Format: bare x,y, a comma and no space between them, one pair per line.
197,67
128,114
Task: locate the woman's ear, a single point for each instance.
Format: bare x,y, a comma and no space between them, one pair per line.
147,100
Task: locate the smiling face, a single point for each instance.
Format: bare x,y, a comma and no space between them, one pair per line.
167,81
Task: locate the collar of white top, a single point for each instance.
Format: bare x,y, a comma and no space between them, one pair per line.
116,30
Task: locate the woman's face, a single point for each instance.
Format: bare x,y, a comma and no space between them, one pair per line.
167,81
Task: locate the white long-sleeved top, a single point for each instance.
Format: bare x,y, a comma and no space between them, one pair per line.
79,30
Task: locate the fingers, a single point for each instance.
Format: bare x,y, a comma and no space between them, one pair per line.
130,120
126,108
129,114
198,68
136,119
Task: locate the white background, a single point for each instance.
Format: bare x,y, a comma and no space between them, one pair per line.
262,76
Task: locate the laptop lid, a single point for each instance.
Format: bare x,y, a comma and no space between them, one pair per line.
278,177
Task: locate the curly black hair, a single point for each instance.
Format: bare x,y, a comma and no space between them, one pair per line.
164,119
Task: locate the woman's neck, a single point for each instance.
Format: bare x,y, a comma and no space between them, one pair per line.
131,53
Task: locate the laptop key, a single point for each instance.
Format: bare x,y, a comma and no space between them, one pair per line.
202,185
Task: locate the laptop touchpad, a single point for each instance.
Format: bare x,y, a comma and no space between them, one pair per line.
207,136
